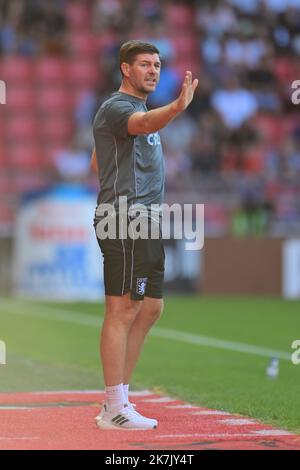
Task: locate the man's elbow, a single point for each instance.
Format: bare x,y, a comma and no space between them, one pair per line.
138,124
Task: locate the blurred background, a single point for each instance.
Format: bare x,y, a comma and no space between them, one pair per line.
236,149
231,315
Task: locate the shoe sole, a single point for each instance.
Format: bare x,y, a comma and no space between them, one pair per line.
104,425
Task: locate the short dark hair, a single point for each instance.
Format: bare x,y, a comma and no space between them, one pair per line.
130,49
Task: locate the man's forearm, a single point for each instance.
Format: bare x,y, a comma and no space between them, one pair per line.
154,120
158,118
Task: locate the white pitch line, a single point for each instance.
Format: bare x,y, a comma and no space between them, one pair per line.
141,393
184,406
159,400
272,432
22,408
19,438
49,313
87,392
237,421
38,311
226,435
138,393
219,343
66,392
212,413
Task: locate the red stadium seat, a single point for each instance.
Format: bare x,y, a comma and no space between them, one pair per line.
3,161
83,44
5,184
2,121
185,45
22,128
179,17
20,98
6,213
27,157
16,69
107,40
78,15
269,126
50,70
59,131
284,70
180,66
6,189
85,73
253,160
55,100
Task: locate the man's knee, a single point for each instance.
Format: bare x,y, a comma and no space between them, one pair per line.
155,310
122,309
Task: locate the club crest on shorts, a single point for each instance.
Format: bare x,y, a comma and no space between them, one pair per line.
141,285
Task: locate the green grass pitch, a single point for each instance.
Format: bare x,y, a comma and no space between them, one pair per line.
196,352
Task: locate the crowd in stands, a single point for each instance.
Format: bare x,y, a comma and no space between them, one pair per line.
237,147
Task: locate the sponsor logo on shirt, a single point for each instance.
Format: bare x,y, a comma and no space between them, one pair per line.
153,139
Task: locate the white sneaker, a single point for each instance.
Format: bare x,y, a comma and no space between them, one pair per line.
105,407
102,411
125,418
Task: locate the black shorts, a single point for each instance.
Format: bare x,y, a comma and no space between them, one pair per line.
135,266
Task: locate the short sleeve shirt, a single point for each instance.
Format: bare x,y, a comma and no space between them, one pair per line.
131,166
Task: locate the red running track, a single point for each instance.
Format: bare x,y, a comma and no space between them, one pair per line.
65,420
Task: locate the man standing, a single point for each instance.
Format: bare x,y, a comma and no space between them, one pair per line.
129,160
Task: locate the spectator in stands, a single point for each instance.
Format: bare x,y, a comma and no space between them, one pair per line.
72,164
248,55
234,103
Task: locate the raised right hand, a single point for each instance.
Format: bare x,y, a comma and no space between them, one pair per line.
187,91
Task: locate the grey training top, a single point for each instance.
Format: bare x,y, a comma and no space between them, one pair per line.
131,166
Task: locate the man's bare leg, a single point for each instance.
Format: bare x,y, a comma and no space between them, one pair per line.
150,312
120,314
116,340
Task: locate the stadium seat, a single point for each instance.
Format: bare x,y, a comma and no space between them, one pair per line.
25,157
16,69
2,158
6,213
20,99
2,128
57,130
50,70
284,70
179,17
85,73
22,128
106,40
78,15
55,100
253,160
181,66
184,45
269,126
83,44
